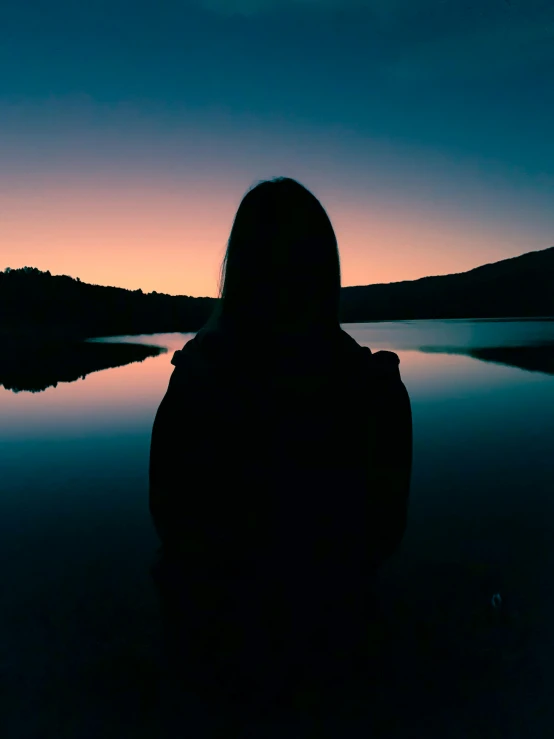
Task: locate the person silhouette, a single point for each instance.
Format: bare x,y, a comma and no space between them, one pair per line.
280,463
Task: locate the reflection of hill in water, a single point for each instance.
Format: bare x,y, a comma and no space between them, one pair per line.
33,367
533,357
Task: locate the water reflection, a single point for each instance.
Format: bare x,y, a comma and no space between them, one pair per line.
526,343
533,357
35,367
78,610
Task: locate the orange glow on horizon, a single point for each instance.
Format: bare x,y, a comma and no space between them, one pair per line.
171,236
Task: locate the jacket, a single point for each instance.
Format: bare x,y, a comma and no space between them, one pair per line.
274,458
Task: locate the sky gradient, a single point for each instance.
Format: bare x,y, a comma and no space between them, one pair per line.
129,132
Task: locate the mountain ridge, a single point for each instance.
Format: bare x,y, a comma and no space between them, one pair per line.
33,303
457,274
521,286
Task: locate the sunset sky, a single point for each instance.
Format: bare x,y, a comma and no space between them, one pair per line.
129,132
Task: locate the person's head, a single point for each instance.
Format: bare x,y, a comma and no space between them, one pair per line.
281,269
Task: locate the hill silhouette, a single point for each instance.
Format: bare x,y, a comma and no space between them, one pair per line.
35,303
521,287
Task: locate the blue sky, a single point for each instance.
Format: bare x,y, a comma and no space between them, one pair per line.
422,109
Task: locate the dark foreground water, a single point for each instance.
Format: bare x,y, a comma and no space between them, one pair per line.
79,621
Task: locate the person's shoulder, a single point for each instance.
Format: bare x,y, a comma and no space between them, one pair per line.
383,366
197,357
383,362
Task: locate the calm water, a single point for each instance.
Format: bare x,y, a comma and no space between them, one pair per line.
79,619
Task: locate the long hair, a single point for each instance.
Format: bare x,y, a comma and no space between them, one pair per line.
281,269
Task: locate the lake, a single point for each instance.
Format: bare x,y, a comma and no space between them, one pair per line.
79,619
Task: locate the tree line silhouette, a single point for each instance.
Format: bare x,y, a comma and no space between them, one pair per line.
33,302
37,303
